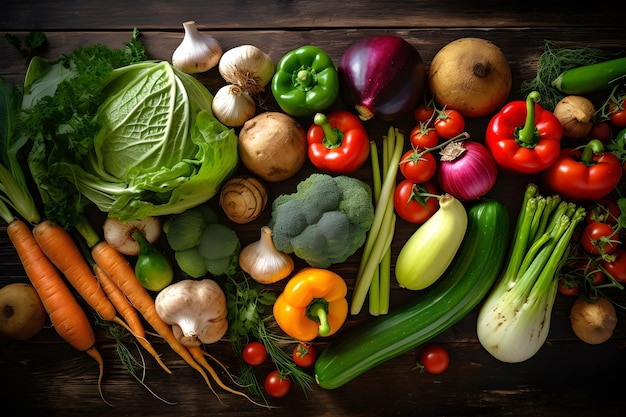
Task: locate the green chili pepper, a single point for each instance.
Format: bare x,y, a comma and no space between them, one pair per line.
306,82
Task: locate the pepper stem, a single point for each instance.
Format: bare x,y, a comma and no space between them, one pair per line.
319,311
594,147
304,78
527,136
332,137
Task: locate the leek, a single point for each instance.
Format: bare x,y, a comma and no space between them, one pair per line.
514,321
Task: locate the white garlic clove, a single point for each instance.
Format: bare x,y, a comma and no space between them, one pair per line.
197,52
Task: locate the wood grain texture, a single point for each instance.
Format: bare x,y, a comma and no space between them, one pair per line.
45,376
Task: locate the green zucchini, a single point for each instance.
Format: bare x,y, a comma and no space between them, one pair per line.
591,78
463,285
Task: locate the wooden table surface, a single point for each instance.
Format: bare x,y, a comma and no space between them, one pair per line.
45,376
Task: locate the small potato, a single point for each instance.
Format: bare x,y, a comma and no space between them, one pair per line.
273,146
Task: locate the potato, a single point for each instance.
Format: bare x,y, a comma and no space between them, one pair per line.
22,314
273,146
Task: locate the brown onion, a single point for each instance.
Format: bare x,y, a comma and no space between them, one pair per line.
466,170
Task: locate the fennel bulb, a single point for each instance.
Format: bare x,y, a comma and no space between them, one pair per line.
514,321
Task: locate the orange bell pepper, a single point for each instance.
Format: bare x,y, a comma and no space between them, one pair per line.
312,304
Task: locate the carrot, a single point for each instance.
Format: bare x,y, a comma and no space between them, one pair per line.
123,275
128,312
199,355
66,314
61,249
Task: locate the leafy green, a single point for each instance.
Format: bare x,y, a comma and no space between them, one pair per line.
32,44
137,138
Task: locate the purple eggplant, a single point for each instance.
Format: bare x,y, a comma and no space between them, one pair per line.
382,76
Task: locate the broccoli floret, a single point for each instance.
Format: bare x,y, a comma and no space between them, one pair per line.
201,244
325,221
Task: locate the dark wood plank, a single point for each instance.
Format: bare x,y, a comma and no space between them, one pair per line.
45,376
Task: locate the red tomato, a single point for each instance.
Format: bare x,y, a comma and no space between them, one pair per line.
418,166
617,113
304,354
422,137
435,359
605,211
617,268
423,114
601,131
597,238
406,200
449,123
276,385
254,353
568,287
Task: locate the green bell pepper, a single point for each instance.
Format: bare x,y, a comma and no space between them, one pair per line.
306,82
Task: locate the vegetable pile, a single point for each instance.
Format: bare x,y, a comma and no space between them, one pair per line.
147,148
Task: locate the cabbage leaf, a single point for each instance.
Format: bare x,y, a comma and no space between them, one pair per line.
142,142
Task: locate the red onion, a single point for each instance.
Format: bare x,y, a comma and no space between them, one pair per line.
382,76
466,170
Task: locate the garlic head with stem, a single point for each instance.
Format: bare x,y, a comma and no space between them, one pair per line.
197,52
233,106
263,262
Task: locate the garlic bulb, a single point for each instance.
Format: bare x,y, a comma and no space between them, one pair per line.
263,261
247,66
197,52
576,116
233,106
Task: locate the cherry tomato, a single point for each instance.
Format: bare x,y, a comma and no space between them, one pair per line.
449,123
617,113
605,211
277,385
568,287
601,131
617,268
423,114
254,353
435,359
418,166
304,354
423,137
589,272
410,205
597,239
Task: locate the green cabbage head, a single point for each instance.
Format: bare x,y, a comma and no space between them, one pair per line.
159,150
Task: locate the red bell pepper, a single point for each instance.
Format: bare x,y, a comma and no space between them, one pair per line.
338,143
584,174
523,137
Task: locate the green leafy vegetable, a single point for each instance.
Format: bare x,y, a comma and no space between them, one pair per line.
137,138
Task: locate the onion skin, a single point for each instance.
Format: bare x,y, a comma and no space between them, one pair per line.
467,170
382,76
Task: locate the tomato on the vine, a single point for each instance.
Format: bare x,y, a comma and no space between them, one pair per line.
304,354
449,123
617,268
568,287
410,203
435,359
423,114
597,238
254,353
601,131
422,137
617,113
418,166
605,211
277,385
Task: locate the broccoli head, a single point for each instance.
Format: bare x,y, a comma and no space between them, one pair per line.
201,244
325,221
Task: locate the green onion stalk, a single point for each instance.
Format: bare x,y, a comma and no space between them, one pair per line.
514,321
